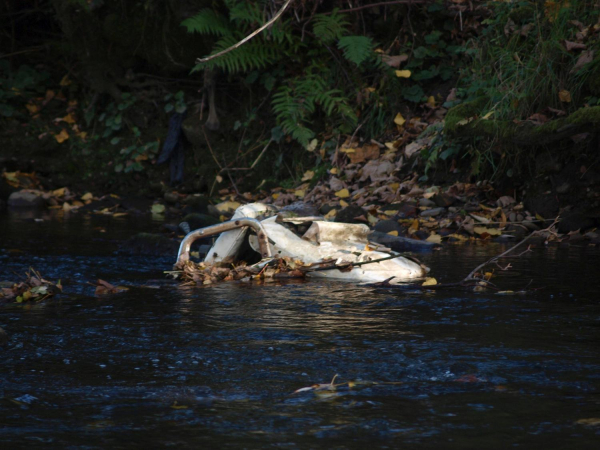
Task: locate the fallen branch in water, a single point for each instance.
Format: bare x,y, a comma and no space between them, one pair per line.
472,280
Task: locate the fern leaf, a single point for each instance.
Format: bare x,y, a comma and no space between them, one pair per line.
207,22
357,49
331,27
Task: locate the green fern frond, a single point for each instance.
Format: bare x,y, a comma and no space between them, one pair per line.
250,56
357,49
329,28
207,21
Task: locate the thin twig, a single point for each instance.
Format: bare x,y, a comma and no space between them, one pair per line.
496,258
210,148
247,38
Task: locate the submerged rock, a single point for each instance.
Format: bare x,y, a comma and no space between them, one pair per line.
26,199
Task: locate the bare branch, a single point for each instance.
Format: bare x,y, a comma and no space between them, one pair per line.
247,38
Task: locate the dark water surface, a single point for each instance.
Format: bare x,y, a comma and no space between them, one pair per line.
163,366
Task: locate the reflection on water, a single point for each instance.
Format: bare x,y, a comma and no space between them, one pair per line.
161,365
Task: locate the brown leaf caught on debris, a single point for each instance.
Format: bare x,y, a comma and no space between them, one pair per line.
104,288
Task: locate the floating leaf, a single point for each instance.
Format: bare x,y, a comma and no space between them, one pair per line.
435,238
430,281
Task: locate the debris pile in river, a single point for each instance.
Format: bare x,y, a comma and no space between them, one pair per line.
34,288
192,273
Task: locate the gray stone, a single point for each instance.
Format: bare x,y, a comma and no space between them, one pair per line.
171,197
26,199
432,212
426,202
385,226
517,231
349,214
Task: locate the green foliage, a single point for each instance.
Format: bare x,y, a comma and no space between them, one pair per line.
357,49
16,86
308,91
330,28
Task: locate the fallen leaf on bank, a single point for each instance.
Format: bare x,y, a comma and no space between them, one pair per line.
87,196
331,214
69,119
308,175
361,154
399,120
570,45
488,115
429,281
403,73
300,193
490,231
393,233
62,136
343,193
343,204
33,109
564,96
464,122
412,148
394,61
585,58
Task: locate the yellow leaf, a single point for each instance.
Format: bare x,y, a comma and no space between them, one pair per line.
465,121
435,238
430,281
32,108
308,175
312,145
414,226
343,204
82,135
276,196
157,208
490,231
564,96
505,292
219,179
592,421
391,145
69,118
399,120
333,171
538,217
176,406
65,81
403,73
348,150
372,219
431,101
300,193
488,115
488,275
331,214
393,233
342,193
62,136
370,89
66,207
59,192
87,196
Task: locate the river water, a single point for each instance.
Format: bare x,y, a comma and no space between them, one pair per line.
217,367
